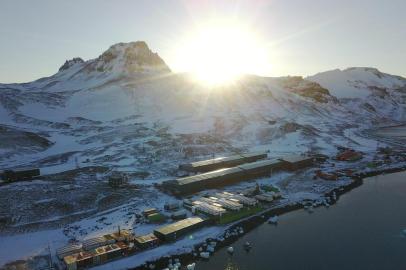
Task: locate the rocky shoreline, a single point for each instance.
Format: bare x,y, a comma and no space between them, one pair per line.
250,223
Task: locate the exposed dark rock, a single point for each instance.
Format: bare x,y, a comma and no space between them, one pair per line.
70,63
298,85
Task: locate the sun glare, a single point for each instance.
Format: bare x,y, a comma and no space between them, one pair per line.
219,54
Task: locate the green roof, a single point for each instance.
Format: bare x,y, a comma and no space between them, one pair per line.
260,164
182,224
219,160
228,171
205,176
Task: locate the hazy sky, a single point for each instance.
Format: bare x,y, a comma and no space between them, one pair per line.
303,37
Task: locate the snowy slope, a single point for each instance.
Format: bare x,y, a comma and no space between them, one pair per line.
356,82
367,89
127,109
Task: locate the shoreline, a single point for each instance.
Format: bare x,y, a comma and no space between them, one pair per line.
252,222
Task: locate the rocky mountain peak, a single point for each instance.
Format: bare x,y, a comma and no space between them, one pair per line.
71,62
131,57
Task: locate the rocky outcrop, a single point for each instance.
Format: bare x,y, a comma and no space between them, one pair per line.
69,63
129,58
298,85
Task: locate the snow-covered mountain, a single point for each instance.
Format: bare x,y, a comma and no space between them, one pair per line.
363,88
127,109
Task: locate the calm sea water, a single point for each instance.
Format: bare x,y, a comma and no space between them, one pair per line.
364,230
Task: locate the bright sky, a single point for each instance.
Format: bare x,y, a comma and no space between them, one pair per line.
300,37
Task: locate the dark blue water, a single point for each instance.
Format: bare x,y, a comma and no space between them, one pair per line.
364,230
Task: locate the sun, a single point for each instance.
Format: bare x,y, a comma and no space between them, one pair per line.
218,54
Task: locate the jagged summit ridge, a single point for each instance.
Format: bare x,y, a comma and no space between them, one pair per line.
121,58
131,57
69,63
357,82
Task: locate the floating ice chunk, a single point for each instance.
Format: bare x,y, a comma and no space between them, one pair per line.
191,266
230,250
247,246
273,220
210,249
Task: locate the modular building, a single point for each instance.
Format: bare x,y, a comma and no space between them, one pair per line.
70,262
222,177
169,206
113,251
237,198
96,242
149,211
295,162
222,162
122,235
180,214
228,204
146,241
68,250
109,252
84,259
210,209
264,197
178,229
223,202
